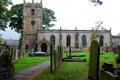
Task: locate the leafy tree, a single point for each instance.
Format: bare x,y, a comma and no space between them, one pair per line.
4,13
16,17
48,17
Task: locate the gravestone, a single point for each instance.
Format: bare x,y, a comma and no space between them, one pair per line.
6,65
16,54
60,53
108,72
107,49
52,58
69,51
56,56
118,50
108,67
106,75
93,73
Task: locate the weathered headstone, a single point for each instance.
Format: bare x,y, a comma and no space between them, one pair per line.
106,49
107,72
106,75
118,58
51,57
118,47
6,66
55,57
108,67
60,53
70,52
93,73
16,54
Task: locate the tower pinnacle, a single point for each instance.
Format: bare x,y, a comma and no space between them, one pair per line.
24,1
32,1
41,2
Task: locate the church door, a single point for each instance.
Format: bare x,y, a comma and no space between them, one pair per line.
44,47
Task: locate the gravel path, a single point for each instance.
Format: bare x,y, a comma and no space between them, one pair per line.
30,73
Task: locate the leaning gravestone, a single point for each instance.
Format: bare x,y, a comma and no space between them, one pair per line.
93,73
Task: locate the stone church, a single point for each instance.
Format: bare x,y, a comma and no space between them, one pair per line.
34,37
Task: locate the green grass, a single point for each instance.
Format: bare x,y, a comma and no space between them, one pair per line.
66,71
108,57
75,70
27,61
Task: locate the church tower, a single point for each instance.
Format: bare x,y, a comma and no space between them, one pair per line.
32,21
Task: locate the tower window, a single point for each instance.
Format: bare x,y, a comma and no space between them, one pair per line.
32,22
32,11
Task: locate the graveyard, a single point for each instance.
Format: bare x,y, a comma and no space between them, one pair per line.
71,70
95,64
76,70
45,53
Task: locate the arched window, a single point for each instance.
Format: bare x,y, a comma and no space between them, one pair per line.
68,40
32,11
101,40
52,39
84,42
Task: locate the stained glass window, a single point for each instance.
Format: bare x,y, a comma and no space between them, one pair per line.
84,42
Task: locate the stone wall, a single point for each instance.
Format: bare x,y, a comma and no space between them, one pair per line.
32,21
115,40
46,34
33,33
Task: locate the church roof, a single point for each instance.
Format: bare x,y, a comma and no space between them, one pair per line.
66,30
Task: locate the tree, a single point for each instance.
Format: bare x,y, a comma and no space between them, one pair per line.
96,2
16,17
48,17
96,30
16,14
4,13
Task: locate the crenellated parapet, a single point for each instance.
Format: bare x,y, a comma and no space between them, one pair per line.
34,4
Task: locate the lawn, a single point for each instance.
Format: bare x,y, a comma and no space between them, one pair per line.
27,61
75,70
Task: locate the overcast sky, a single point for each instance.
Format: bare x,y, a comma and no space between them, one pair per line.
83,14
